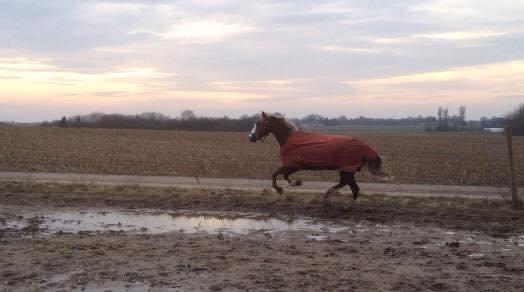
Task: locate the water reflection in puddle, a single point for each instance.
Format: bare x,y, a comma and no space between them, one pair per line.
154,223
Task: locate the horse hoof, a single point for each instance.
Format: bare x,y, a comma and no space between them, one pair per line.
297,183
355,190
327,203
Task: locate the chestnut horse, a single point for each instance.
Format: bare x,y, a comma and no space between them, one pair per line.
311,151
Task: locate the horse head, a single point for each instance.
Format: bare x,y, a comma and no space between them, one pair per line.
272,124
261,128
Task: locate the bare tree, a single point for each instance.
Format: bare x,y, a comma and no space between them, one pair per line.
154,116
445,119
439,118
462,117
63,122
516,120
187,115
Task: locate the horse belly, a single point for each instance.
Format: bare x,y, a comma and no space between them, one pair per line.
322,157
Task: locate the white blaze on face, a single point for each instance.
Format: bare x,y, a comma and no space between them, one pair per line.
253,132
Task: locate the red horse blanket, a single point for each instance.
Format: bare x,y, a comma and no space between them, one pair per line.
317,151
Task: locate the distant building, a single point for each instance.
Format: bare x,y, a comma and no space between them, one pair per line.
494,130
311,125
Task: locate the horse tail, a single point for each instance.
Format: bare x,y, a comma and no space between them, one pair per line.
375,166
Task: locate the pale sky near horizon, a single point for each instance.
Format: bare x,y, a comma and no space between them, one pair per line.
217,57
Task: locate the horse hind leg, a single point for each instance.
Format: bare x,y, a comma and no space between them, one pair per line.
349,179
333,189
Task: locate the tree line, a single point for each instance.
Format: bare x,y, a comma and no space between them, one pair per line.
319,120
446,123
154,121
187,120
516,120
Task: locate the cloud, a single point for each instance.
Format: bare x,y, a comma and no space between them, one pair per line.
33,78
469,84
293,54
204,31
265,90
455,36
117,7
495,71
23,64
471,11
462,35
342,49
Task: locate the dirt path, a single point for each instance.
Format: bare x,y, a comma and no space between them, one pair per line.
256,184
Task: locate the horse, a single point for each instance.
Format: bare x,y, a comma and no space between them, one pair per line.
301,150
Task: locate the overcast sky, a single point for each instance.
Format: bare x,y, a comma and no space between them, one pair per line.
370,58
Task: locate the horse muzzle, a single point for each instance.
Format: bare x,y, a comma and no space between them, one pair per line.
252,137
253,134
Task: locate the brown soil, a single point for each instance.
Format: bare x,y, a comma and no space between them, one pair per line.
405,244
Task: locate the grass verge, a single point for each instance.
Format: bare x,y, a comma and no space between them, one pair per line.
267,196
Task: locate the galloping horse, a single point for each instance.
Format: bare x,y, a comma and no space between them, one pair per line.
311,151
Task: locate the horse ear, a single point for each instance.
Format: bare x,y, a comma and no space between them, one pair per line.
264,115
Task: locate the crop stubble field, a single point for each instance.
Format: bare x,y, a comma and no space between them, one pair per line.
428,158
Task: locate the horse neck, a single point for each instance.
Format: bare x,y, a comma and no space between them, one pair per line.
281,130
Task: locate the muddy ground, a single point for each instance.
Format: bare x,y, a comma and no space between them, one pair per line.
386,243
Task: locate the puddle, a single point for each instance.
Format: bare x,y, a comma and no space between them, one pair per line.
154,223
232,223
317,237
120,286
476,255
517,240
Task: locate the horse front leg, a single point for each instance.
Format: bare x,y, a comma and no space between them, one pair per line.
289,171
278,172
350,180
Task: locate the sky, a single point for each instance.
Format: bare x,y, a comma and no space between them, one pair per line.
216,57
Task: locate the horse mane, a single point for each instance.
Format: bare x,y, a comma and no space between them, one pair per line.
289,124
